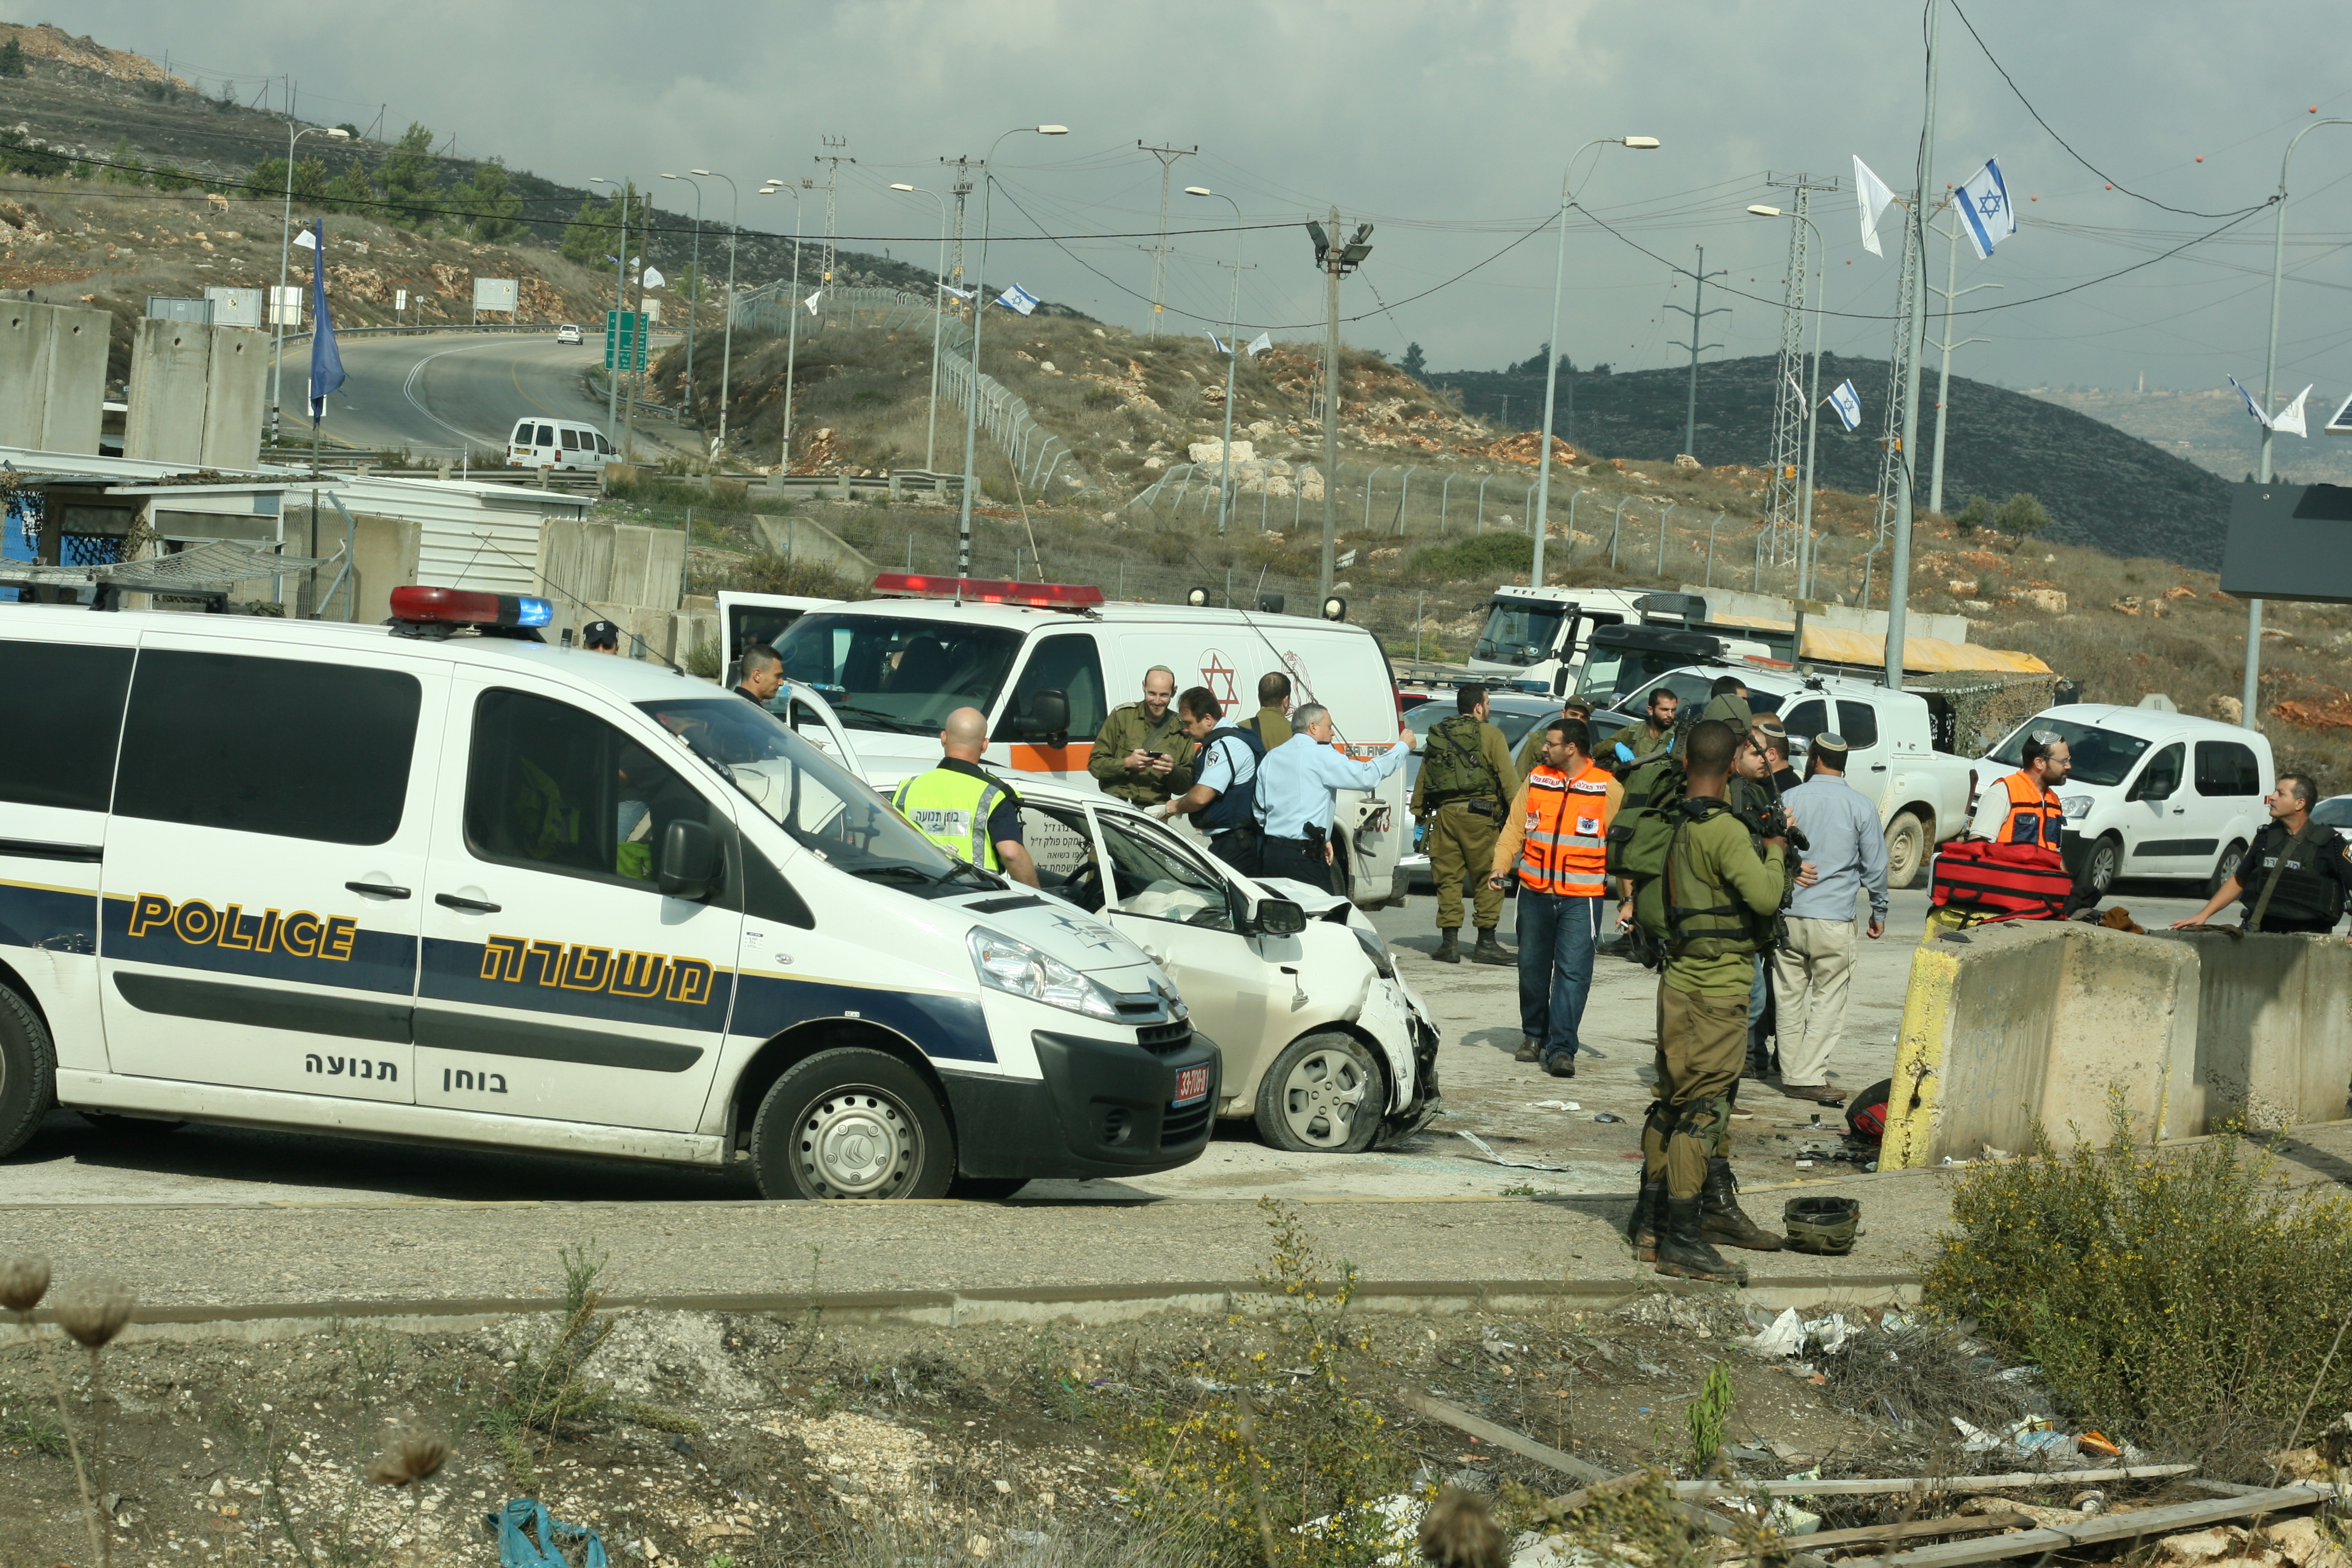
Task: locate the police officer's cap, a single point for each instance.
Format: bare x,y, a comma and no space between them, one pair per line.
600,634
1832,745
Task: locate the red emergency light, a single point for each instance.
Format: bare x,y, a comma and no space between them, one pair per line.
989,591
466,607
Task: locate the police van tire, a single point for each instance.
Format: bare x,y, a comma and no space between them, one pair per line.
2226,866
1323,1094
1906,849
852,1124
28,1072
2105,865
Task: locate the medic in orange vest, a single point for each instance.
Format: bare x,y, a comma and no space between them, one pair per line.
2024,808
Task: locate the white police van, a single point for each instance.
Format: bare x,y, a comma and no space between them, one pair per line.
441,882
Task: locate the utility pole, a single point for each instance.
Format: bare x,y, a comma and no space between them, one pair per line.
1166,156
1785,491
1944,378
1337,259
1898,362
1898,568
1698,298
961,189
832,195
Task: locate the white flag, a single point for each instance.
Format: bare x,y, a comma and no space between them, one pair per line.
811,300
959,294
1347,560
1874,197
1018,298
1984,206
1847,404
2289,418
2252,407
1795,388
307,240
654,279
1260,343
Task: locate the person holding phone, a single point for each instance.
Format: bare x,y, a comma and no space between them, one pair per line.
1142,754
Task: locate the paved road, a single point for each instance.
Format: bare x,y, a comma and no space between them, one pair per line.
1512,1106
443,394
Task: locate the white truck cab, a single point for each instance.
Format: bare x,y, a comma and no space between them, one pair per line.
1049,662
439,880
1533,634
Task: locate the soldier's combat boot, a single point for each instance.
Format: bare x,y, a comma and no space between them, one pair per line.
1649,1213
1449,945
1721,1217
1489,950
1684,1253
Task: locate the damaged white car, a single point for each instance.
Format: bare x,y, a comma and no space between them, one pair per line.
1326,1048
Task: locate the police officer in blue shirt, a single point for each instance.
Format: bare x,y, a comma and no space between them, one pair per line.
1295,785
1223,800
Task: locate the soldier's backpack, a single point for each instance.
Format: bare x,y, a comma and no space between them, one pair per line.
1641,836
1454,764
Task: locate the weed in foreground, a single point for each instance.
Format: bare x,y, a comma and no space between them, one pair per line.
23,1283
2185,1298
1285,1460
1707,1416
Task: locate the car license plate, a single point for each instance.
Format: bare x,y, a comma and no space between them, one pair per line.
1192,1084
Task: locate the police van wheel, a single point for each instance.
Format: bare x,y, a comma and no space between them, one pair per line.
1323,1094
28,1071
1906,849
852,1124
2106,863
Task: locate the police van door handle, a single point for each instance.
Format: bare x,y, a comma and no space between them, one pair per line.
471,905
381,889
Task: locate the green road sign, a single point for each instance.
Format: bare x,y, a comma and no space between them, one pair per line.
625,340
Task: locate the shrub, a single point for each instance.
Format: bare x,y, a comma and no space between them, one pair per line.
2021,516
2184,1298
1481,555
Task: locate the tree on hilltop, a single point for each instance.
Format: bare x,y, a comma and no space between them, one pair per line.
12,58
412,182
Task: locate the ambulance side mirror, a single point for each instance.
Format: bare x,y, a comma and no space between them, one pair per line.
689,861
1049,711
1280,917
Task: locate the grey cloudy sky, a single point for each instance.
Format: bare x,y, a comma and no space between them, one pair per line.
1447,126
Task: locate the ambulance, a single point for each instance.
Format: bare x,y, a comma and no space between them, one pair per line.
438,881
1047,662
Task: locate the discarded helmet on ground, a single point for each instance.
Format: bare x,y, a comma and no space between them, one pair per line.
1822,1225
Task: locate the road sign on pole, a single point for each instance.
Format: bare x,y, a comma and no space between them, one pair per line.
625,340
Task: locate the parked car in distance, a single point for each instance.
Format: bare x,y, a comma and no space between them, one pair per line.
1515,713
2335,812
1325,1048
569,334
2152,793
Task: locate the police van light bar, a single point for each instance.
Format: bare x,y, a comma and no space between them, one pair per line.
989,591
464,607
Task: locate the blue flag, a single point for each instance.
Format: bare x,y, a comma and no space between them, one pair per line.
1018,298
326,360
1983,201
1847,402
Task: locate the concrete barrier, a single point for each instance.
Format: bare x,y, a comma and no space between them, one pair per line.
2274,1030
52,375
196,393
2038,1021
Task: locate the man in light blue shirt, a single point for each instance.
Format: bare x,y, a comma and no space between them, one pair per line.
1294,794
1814,964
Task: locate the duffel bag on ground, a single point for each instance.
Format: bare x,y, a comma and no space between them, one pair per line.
2001,881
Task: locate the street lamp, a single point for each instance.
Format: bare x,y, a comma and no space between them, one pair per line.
777,187
932,432
285,244
621,343
693,296
727,345
1551,353
1812,418
2269,388
979,309
1233,354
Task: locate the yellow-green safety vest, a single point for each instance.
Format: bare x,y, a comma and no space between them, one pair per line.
952,810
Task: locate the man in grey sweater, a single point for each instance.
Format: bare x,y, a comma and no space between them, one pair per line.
1814,964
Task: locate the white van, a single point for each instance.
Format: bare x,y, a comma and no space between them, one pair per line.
1047,663
2152,793
474,888
543,441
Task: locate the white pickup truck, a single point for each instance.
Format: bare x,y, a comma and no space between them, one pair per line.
1923,794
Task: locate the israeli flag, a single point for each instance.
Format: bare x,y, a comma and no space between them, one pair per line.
1259,344
1018,298
1221,347
1985,208
2252,406
1847,404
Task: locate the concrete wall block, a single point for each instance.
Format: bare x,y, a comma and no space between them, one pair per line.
236,385
383,553
168,364
625,577
665,568
52,375
2039,1022
2274,1031
798,538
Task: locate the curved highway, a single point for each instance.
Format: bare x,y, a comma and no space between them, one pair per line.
440,394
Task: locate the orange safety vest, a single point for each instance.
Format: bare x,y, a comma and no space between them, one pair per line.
2033,816
1565,847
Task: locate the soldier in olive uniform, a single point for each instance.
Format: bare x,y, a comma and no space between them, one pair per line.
1142,754
1466,780
1655,728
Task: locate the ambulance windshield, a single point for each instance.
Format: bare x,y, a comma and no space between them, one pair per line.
827,809
901,674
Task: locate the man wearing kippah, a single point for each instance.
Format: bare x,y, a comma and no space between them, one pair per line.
1814,963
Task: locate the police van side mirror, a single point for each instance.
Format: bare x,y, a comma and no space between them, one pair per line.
1280,917
689,861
